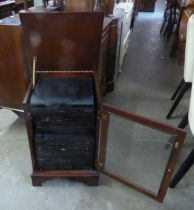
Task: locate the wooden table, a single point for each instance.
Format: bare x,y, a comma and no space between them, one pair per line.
6,8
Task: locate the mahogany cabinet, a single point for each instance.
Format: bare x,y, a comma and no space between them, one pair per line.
55,59
118,32
81,62
7,7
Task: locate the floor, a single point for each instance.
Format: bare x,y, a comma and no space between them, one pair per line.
144,86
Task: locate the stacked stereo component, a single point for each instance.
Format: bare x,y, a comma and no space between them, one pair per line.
63,118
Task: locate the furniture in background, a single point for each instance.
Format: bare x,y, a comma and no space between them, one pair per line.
185,83
13,67
182,32
23,4
123,19
189,161
68,128
171,17
127,8
6,8
121,15
9,7
182,7
148,5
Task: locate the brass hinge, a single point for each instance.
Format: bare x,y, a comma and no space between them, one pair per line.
102,116
99,165
176,145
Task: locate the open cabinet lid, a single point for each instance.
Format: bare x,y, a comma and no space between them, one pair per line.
63,41
82,5
110,156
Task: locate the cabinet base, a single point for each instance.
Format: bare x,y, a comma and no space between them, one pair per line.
89,177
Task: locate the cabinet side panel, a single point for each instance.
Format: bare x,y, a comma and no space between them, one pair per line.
12,79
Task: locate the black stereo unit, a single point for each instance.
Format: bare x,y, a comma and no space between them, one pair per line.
63,115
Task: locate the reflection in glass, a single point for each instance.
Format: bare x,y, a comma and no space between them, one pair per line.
137,153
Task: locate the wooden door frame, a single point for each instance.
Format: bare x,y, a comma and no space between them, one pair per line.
176,132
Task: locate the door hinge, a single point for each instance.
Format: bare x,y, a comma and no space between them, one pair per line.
99,165
102,116
176,145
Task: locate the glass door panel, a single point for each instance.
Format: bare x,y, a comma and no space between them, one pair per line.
138,152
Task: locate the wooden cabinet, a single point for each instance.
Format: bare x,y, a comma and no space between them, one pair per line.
65,155
74,56
71,133
148,5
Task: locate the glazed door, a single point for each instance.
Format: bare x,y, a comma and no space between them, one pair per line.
138,152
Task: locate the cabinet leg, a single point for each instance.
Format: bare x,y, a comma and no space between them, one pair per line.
90,181
36,181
